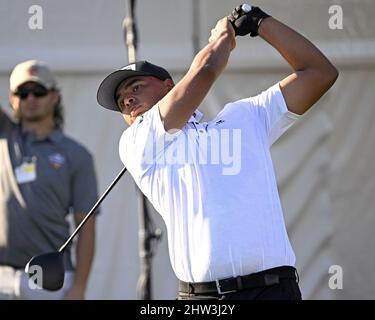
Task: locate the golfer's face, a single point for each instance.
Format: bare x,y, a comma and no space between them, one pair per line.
137,95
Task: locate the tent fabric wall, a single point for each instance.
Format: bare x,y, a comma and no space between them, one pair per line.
324,164
352,181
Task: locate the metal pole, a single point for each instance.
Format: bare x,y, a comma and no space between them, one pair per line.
144,282
130,31
147,234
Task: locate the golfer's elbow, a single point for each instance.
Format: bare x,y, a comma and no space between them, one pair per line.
330,75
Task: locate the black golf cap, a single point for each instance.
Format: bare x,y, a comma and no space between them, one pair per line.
106,95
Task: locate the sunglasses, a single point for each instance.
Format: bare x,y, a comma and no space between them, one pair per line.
36,92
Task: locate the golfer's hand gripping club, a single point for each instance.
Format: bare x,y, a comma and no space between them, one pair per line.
246,19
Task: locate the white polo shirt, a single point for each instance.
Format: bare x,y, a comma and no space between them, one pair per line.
214,185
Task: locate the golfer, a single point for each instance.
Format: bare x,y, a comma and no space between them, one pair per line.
213,182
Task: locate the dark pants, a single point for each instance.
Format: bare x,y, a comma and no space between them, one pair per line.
286,289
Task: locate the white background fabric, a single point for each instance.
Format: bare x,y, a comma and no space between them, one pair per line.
324,164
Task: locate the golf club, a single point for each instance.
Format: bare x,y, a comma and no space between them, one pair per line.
52,264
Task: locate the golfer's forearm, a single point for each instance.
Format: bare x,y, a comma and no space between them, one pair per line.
84,254
214,56
299,52
179,104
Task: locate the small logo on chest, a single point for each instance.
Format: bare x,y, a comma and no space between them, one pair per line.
56,160
219,121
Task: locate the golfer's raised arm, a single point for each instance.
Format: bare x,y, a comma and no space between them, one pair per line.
179,104
313,73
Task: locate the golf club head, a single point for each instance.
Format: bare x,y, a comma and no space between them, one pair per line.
47,270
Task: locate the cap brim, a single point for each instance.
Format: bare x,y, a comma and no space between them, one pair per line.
31,79
106,91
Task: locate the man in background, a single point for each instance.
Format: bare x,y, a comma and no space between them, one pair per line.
44,175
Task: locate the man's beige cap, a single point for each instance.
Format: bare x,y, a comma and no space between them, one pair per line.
31,70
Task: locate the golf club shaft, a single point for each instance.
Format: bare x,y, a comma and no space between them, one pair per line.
96,205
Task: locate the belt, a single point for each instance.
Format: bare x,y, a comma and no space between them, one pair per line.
260,279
